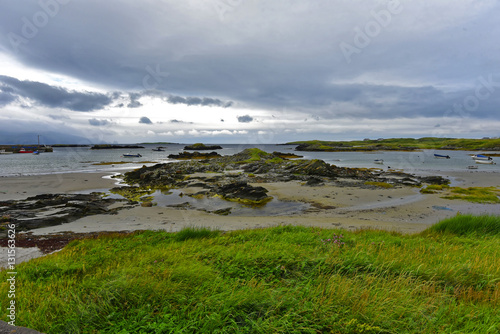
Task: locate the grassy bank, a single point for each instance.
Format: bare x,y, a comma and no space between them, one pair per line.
400,144
277,280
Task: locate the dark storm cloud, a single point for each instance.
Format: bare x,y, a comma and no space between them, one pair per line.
98,122
55,97
145,120
245,119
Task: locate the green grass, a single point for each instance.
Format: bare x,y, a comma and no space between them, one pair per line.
469,225
486,195
379,184
405,144
276,280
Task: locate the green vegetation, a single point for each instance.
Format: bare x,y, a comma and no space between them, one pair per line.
468,225
400,144
486,195
379,184
434,188
138,194
277,280
256,154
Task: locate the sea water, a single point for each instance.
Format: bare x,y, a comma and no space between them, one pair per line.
83,159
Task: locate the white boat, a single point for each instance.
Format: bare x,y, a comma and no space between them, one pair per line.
481,157
379,161
486,162
130,155
5,152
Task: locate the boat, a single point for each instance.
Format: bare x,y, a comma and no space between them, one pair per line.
440,156
471,167
23,150
487,162
379,161
159,149
130,155
5,152
481,157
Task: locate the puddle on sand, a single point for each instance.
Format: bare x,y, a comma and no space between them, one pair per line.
272,208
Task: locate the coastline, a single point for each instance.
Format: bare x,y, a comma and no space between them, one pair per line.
400,209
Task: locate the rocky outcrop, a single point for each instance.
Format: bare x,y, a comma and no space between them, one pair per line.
256,166
194,155
202,147
244,193
54,209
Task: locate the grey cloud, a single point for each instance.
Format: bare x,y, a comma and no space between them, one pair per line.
145,120
134,103
245,119
205,101
56,97
98,122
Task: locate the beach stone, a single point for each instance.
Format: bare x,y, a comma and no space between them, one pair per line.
147,204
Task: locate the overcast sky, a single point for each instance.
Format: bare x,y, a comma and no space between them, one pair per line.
250,71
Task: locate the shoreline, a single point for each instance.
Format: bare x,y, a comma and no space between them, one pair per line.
400,209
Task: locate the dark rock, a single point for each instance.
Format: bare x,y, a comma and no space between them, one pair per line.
200,147
222,212
55,209
243,192
314,181
194,155
434,180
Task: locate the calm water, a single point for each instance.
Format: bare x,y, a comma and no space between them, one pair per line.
64,160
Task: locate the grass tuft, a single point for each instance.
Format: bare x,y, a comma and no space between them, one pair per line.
468,224
195,233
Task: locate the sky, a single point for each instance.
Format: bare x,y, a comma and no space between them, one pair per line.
249,71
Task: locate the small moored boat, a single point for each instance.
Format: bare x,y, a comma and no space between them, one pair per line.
471,167
130,155
486,162
379,161
440,156
159,149
481,157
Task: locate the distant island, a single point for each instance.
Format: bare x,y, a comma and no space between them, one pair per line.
399,144
200,146
107,146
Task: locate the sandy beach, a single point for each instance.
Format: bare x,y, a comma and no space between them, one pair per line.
401,209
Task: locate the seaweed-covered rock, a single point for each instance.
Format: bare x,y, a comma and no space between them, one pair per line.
194,155
243,192
200,146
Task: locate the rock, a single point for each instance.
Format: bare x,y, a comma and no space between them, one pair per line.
314,181
222,212
147,204
55,209
243,192
194,155
434,180
200,147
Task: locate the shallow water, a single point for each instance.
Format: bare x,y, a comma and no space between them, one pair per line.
82,159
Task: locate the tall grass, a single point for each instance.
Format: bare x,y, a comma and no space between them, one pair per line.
277,280
468,225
